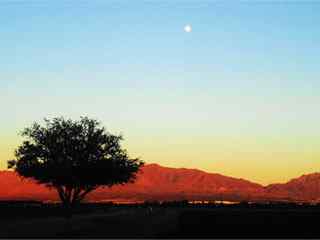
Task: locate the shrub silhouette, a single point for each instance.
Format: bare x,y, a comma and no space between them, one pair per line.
74,157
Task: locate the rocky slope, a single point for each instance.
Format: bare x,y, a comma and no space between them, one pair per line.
155,182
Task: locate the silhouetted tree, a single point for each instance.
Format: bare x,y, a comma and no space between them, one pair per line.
74,157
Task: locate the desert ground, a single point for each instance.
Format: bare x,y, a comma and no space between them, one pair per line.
164,222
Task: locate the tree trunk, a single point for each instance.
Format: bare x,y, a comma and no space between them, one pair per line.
67,203
71,197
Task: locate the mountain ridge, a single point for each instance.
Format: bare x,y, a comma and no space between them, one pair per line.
156,182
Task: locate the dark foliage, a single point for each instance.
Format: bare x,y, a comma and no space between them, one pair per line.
74,157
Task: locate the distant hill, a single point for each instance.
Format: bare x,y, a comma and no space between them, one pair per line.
155,182
304,188
13,187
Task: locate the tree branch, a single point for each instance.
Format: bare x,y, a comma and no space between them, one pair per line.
75,195
84,193
61,193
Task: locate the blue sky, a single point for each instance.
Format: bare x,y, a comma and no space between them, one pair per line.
249,70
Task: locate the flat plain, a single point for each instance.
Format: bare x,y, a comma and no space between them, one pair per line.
162,222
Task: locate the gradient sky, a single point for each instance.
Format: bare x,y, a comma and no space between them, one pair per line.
239,95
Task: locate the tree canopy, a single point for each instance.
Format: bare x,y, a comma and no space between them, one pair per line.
74,157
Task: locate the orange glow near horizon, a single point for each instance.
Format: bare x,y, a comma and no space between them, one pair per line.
254,159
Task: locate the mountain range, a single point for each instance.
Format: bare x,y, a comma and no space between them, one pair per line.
155,182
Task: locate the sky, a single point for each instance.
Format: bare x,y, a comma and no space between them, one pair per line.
238,95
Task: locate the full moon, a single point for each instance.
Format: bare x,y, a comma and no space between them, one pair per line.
187,28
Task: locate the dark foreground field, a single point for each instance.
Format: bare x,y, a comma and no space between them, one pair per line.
161,222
